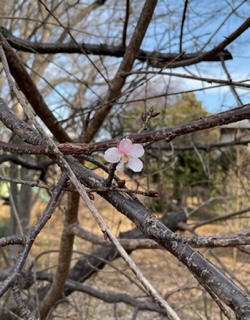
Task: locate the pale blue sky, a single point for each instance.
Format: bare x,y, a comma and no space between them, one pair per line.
205,26
220,99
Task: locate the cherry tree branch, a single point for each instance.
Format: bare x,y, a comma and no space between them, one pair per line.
168,134
204,271
152,58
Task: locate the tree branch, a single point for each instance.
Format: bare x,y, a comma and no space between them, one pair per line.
127,62
31,235
64,165
29,89
204,271
108,297
209,54
167,134
25,163
152,58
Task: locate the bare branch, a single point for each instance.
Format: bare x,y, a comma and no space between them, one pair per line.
216,50
30,90
204,271
125,66
24,311
167,134
182,24
12,240
152,58
31,235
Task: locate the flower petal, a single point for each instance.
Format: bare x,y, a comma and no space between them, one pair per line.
120,166
135,164
125,145
136,151
112,155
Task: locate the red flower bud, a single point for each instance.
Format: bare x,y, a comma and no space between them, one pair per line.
121,183
91,196
153,193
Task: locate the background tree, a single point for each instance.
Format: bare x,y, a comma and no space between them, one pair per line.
79,77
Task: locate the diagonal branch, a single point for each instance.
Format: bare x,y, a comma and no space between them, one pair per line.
29,89
62,270
204,271
216,50
168,134
119,80
22,307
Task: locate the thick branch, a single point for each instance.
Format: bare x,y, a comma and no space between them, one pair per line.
29,89
167,134
119,80
206,273
152,58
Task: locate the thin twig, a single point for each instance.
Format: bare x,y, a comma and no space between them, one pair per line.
231,87
42,185
182,24
32,234
125,26
240,83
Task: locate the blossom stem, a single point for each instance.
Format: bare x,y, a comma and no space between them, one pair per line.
110,177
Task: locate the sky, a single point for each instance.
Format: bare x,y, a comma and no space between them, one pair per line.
222,98
164,33
204,34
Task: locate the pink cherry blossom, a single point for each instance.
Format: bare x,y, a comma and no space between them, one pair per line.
126,152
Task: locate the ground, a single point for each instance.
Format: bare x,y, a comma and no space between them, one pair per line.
167,275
